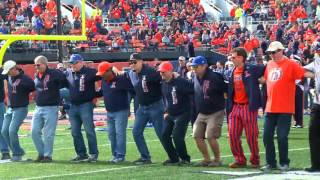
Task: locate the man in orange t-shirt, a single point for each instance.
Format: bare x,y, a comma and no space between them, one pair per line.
243,104
280,76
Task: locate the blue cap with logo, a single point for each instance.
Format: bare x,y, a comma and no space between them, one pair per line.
199,60
74,58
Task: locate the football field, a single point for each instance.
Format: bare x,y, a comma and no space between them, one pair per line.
61,168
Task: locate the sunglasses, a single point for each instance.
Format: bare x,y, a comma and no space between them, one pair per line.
133,62
194,67
274,52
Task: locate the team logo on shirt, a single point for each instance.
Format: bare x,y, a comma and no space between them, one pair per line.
14,86
205,89
237,78
247,74
275,74
45,82
113,85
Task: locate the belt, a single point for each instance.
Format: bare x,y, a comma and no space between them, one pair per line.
242,104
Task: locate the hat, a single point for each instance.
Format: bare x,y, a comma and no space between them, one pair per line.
182,58
199,60
135,56
7,66
74,58
274,46
103,67
165,66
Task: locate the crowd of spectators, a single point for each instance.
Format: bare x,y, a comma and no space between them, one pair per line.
276,9
142,25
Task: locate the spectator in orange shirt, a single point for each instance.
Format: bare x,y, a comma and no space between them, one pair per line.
280,76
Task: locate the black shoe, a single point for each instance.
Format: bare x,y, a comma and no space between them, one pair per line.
92,158
63,116
39,159
46,159
141,161
80,159
312,169
170,162
268,168
184,162
5,156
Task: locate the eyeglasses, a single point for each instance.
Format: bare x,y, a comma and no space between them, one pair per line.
194,67
274,52
133,62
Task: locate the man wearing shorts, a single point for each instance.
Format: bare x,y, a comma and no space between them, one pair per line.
209,90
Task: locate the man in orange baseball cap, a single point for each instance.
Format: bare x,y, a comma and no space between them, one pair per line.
176,91
115,88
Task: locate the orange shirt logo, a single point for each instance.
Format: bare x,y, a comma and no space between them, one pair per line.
275,74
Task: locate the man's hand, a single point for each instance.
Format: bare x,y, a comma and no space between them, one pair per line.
262,80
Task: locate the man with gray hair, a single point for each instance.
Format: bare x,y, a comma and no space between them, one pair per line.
47,97
182,69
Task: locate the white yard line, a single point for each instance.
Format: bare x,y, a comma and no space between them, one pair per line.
80,173
127,167
60,149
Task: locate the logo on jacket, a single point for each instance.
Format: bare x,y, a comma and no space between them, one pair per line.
113,85
275,74
14,86
45,82
205,89
247,74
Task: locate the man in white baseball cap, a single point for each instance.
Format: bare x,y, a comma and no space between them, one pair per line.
275,46
19,87
7,66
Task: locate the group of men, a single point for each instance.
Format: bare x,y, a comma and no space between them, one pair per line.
168,100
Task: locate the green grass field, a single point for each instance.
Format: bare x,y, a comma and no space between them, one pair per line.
61,168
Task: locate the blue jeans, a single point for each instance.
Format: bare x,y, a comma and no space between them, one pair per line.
153,113
12,121
44,121
78,115
3,145
117,125
65,99
283,122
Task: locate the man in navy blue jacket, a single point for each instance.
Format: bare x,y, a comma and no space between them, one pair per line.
244,100
115,89
209,90
176,91
147,85
19,88
48,83
82,92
